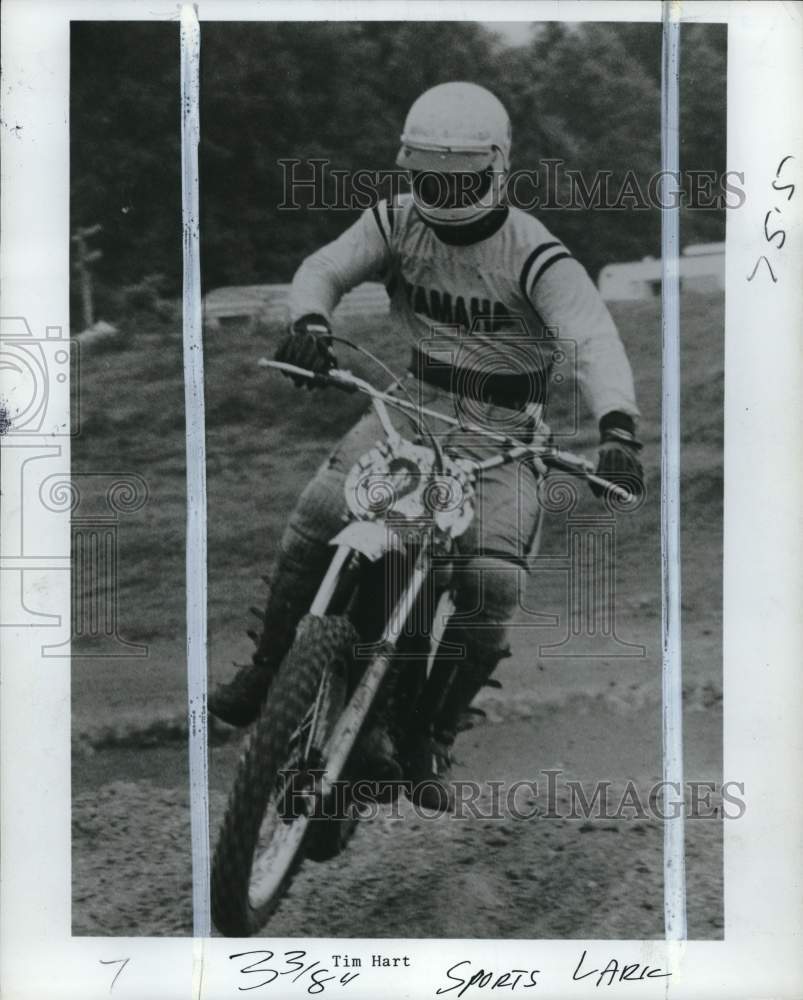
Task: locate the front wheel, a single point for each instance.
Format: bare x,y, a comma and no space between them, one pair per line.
268,819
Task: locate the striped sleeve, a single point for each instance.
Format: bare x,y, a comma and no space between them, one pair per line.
566,299
538,262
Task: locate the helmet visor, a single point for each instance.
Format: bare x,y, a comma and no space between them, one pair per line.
446,160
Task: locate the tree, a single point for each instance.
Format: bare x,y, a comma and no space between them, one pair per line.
588,94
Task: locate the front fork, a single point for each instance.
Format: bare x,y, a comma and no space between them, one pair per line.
326,591
347,729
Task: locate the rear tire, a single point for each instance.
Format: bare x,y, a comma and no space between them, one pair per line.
244,893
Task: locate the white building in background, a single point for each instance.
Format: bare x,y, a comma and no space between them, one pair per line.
268,304
702,269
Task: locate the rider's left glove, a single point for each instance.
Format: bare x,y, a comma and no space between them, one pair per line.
308,344
618,457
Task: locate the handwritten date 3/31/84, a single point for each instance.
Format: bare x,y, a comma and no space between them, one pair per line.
262,967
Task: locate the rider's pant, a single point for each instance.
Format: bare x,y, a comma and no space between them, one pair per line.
490,564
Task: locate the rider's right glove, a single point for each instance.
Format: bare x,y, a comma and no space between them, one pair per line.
308,344
618,458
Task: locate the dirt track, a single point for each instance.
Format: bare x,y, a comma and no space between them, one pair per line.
414,875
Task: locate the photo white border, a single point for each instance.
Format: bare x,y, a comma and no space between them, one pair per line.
761,955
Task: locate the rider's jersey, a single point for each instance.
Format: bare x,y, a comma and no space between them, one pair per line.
497,301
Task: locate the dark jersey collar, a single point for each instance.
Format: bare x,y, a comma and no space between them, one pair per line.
472,232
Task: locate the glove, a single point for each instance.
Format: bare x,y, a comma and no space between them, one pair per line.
618,459
308,344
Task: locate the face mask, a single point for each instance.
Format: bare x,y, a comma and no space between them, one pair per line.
450,191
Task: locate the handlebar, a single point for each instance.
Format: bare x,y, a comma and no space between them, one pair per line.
567,461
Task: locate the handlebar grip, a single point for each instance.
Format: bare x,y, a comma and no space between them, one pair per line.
338,383
621,491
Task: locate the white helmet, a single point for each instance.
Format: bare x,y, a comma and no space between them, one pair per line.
457,128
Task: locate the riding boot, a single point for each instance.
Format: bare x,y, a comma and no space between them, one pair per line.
292,589
389,721
465,660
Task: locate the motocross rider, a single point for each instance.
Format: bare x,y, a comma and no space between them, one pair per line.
474,283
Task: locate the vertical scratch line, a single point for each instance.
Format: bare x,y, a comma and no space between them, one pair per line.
196,582
672,678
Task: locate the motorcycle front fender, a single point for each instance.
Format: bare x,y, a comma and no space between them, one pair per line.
371,539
